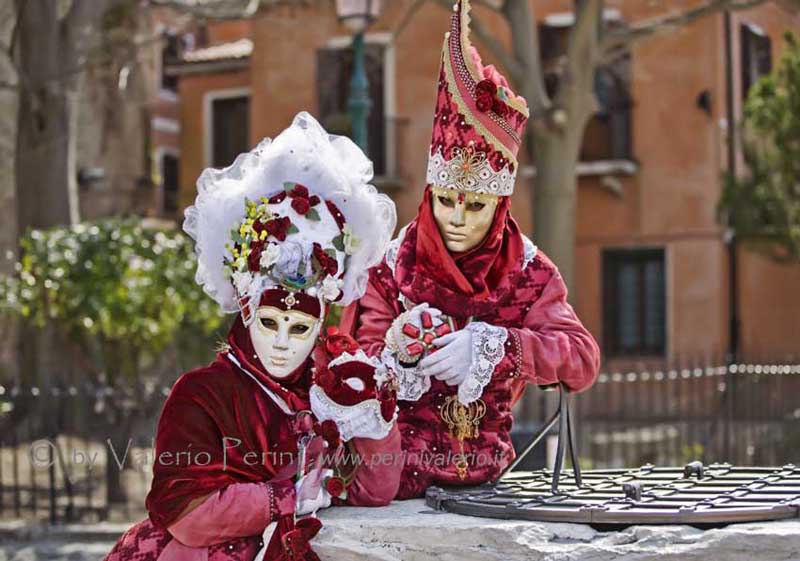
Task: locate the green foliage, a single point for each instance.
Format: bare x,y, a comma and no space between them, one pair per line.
765,205
118,290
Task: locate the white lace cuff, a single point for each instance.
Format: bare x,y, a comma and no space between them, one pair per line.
411,383
362,420
488,349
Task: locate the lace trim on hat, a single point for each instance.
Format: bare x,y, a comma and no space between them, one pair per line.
469,172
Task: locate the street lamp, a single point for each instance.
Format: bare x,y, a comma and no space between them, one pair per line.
358,15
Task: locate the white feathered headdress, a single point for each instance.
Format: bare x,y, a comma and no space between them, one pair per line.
294,216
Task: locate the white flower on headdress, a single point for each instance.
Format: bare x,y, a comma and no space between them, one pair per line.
242,281
269,256
349,240
330,289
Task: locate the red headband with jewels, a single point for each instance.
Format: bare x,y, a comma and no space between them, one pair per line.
284,300
479,121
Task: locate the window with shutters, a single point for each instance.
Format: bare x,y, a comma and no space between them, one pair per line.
334,70
634,302
756,55
608,133
230,125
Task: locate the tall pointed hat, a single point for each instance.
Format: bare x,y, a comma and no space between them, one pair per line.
479,121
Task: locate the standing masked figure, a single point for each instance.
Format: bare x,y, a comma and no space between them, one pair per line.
250,444
464,308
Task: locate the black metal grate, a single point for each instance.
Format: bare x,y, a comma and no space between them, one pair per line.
715,495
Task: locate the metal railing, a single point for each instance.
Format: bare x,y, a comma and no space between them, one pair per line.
746,414
85,452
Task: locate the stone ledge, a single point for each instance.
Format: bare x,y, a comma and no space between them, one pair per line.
410,531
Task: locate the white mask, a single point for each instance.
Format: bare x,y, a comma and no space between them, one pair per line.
282,339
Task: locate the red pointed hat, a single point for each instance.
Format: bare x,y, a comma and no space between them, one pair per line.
479,121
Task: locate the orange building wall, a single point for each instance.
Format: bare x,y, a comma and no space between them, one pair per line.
193,90
669,202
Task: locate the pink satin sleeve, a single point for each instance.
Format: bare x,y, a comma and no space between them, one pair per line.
555,345
238,510
377,478
376,314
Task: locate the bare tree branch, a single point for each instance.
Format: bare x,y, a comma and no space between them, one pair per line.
525,46
575,93
506,58
647,28
221,9
407,18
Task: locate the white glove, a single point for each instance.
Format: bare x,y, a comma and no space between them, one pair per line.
322,499
362,420
452,362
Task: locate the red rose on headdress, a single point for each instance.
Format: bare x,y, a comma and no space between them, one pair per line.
335,486
483,104
254,257
485,92
486,87
499,106
301,205
328,263
259,226
313,200
299,191
337,342
278,227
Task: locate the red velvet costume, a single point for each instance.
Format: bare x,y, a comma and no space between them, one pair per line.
509,293
220,401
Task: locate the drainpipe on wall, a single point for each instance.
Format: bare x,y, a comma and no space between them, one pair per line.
730,239
730,235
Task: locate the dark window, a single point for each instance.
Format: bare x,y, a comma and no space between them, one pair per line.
756,56
608,133
169,55
169,178
634,302
334,69
230,129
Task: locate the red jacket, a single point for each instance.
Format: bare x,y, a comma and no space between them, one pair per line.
546,344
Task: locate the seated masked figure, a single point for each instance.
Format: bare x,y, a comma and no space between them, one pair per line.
249,444
464,308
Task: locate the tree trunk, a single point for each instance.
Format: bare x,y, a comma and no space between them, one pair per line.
555,196
47,55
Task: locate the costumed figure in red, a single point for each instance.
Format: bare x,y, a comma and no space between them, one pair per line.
464,309
249,447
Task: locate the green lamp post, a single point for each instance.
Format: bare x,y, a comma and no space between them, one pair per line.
357,15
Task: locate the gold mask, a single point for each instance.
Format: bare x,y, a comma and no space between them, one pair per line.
463,219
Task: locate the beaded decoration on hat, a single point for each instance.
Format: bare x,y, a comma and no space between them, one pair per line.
479,121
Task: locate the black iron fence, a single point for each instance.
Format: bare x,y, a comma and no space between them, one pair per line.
746,414
85,452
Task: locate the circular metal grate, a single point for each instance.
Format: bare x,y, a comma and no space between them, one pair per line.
717,494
